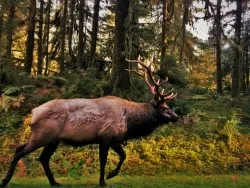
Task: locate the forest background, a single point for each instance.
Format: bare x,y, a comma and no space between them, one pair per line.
78,48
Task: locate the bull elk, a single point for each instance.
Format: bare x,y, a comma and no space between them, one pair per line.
107,121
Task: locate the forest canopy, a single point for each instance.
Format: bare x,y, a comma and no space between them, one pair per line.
56,37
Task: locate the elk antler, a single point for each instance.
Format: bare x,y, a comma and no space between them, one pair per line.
155,88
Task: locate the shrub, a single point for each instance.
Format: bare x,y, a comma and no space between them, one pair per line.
86,86
198,90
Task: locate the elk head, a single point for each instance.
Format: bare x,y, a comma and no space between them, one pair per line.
166,114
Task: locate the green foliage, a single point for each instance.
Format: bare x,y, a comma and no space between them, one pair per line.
10,121
85,85
7,73
208,140
198,90
6,102
12,91
59,81
16,90
124,181
177,74
138,92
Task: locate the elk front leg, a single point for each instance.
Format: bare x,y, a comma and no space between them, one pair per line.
119,150
44,159
103,154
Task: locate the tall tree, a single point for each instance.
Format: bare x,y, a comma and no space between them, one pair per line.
167,13
163,30
119,76
132,30
218,47
40,39
10,28
246,50
1,20
63,35
236,63
186,5
71,30
94,31
30,37
46,36
81,33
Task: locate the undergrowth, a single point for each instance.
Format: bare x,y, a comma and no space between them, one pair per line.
213,136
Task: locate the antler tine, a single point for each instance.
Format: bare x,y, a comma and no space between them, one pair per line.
163,82
148,69
152,88
155,88
170,96
162,92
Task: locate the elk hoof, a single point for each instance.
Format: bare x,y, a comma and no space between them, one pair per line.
55,184
112,174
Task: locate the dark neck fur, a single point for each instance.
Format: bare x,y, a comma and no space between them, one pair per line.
141,120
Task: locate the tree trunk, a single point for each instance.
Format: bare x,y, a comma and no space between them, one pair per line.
1,22
71,30
163,30
30,37
46,37
80,64
120,77
40,39
184,22
94,31
218,48
247,62
236,63
167,13
63,35
10,28
132,31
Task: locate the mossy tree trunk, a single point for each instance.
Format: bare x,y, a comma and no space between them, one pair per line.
63,36
94,31
46,36
119,76
40,39
1,21
246,58
80,64
218,48
132,30
71,30
30,37
10,28
163,30
237,56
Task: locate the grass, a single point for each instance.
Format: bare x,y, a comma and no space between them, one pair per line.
174,181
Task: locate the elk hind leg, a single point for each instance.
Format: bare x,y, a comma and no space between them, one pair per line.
119,150
44,159
21,151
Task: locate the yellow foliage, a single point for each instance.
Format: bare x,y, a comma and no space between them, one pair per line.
25,131
202,73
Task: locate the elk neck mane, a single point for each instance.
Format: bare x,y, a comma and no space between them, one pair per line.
141,119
